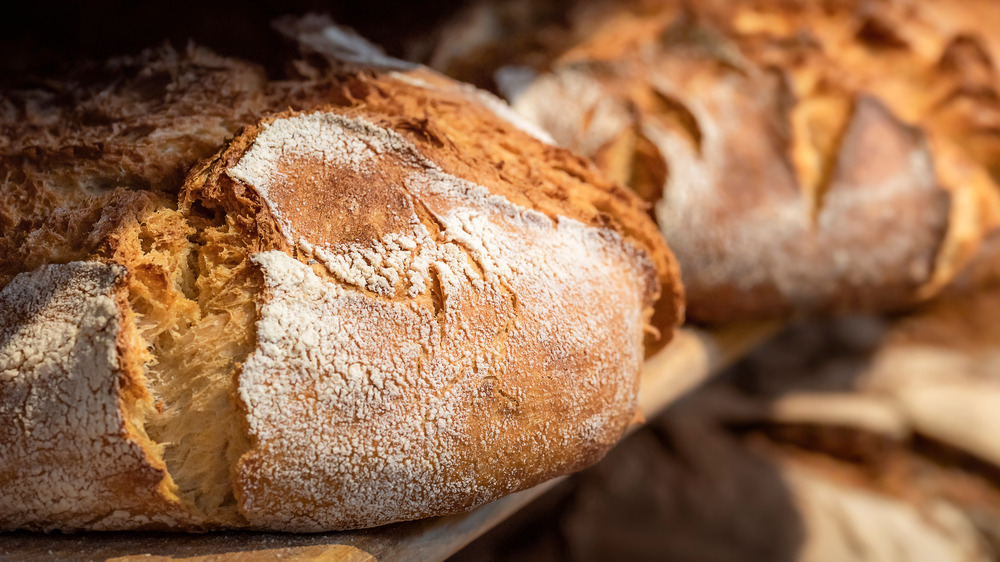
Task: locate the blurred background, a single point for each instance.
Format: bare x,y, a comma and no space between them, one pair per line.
866,437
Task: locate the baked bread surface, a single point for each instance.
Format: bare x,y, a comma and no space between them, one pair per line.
381,299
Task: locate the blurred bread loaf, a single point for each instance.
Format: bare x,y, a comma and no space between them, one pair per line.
360,295
801,157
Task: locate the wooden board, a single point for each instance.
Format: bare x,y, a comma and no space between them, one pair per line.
690,359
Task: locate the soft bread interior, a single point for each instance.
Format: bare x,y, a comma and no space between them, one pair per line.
192,292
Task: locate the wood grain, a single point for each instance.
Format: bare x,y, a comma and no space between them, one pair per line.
690,359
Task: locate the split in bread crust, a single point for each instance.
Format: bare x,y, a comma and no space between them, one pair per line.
386,303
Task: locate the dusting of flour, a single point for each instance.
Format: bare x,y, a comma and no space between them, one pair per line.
371,406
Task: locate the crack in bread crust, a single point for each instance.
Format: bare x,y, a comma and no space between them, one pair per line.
511,284
64,360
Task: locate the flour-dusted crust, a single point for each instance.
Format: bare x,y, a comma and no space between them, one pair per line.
383,297
70,456
415,358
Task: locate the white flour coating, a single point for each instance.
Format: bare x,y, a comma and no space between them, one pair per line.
382,266
377,267
318,136
334,141
65,456
367,410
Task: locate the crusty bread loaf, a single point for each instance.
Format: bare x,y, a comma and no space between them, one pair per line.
380,299
802,157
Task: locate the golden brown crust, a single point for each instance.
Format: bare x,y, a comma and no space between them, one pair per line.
491,310
78,159
473,301
476,144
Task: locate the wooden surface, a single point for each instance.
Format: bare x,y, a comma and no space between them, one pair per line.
689,360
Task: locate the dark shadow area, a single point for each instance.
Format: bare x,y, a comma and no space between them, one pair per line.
46,38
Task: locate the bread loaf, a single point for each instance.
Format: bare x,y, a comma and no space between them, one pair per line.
802,157
356,296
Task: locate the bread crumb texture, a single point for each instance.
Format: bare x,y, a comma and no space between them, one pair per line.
69,455
388,301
